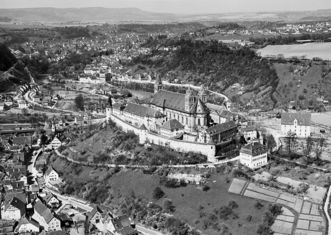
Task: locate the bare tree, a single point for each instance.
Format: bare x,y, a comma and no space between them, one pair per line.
319,148
308,147
291,142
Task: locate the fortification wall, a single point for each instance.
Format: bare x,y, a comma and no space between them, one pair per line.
181,146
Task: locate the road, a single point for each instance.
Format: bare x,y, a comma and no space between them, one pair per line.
326,210
199,166
147,231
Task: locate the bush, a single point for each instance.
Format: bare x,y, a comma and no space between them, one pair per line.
205,188
168,206
158,193
258,205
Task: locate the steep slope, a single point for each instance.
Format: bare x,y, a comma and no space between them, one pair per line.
12,71
240,73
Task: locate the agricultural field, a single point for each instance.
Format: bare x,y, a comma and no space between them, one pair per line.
301,215
307,50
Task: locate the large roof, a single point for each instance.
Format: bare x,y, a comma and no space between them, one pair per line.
254,149
303,118
17,203
142,111
43,211
170,100
176,101
219,128
172,124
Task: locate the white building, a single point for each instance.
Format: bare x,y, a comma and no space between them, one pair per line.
55,143
27,226
253,155
296,123
45,218
13,209
51,176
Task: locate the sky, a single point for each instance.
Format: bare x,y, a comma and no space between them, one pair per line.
179,6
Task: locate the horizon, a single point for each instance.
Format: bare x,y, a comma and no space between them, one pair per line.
184,7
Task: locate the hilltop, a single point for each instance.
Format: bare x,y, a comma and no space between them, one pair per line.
240,74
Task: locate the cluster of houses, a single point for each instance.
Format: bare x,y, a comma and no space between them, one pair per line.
95,74
34,209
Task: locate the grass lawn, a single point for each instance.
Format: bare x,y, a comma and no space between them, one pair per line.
187,201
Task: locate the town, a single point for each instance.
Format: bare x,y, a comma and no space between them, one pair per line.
168,129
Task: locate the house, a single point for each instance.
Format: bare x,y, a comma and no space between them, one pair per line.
51,176
95,215
7,227
249,133
253,155
222,132
296,123
45,218
27,226
138,114
51,201
55,143
22,104
13,209
123,226
171,128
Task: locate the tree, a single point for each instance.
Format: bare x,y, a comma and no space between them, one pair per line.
308,146
319,148
158,193
291,142
79,101
271,142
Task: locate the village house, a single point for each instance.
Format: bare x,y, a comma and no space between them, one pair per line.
13,209
298,123
95,216
27,226
45,218
250,133
51,200
51,176
253,155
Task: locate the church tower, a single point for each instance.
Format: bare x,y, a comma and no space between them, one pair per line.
157,84
203,94
189,99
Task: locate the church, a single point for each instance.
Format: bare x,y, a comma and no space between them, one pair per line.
189,109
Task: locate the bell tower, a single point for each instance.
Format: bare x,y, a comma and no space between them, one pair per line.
189,99
157,84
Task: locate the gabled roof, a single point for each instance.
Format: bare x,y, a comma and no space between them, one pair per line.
49,170
254,149
169,100
219,128
303,118
142,111
24,221
94,211
17,203
172,125
43,211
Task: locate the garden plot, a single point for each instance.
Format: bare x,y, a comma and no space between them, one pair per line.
306,232
237,186
260,196
282,227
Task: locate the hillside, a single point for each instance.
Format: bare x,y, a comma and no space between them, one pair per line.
240,73
7,59
12,71
94,14
304,83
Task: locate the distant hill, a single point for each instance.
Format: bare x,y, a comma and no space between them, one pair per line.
97,14
131,15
